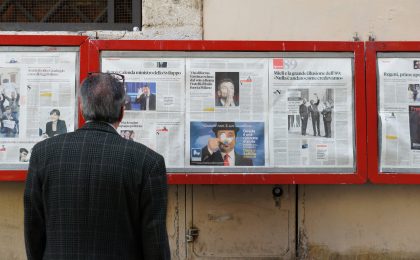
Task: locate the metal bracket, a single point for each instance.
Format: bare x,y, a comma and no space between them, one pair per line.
192,234
356,37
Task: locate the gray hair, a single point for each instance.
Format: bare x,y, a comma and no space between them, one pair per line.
102,98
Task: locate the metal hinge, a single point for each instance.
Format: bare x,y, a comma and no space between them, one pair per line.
192,234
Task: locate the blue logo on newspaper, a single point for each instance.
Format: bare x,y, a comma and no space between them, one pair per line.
195,154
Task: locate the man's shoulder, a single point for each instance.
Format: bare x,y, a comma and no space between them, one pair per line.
112,141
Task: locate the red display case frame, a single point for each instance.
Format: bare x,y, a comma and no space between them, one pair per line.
51,41
375,176
359,176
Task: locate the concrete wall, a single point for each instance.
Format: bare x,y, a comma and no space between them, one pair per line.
310,20
333,221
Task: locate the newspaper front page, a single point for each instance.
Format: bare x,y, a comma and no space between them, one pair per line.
37,100
399,114
154,103
311,113
226,102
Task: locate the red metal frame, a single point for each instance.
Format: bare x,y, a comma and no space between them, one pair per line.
372,48
43,40
260,178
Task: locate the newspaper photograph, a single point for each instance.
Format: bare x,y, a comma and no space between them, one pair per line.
226,89
226,144
311,112
161,132
151,84
399,114
37,100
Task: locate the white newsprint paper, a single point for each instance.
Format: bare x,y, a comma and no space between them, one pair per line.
311,113
399,114
37,100
226,94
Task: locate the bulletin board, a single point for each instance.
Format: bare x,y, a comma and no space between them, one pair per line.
38,77
393,110
283,112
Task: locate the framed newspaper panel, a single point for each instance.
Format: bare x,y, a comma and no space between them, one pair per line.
38,79
233,112
393,83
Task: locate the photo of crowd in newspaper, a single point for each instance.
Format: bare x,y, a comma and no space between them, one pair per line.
9,102
227,144
37,100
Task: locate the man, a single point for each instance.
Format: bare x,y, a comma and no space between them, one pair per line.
23,155
13,101
304,114
225,94
414,90
220,151
9,123
313,109
91,194
146,100
327,118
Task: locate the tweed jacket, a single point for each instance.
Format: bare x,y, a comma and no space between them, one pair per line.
91,194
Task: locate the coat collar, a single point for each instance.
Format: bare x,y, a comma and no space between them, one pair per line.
99,126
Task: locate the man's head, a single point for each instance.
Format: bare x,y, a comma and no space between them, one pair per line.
226,132
225,88
304,101
312,102
146,89
102,98
8,110
23,154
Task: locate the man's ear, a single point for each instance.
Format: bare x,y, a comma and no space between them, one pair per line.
81,109
121,114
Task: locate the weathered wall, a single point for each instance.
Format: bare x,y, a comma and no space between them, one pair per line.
364,221
310,20
11,221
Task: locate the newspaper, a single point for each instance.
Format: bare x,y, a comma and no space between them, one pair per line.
311,112
37,100
399,114
226,102
154,103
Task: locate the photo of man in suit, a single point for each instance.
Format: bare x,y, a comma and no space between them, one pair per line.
304,115
220,151
313,109
146,99
327,118
91,194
